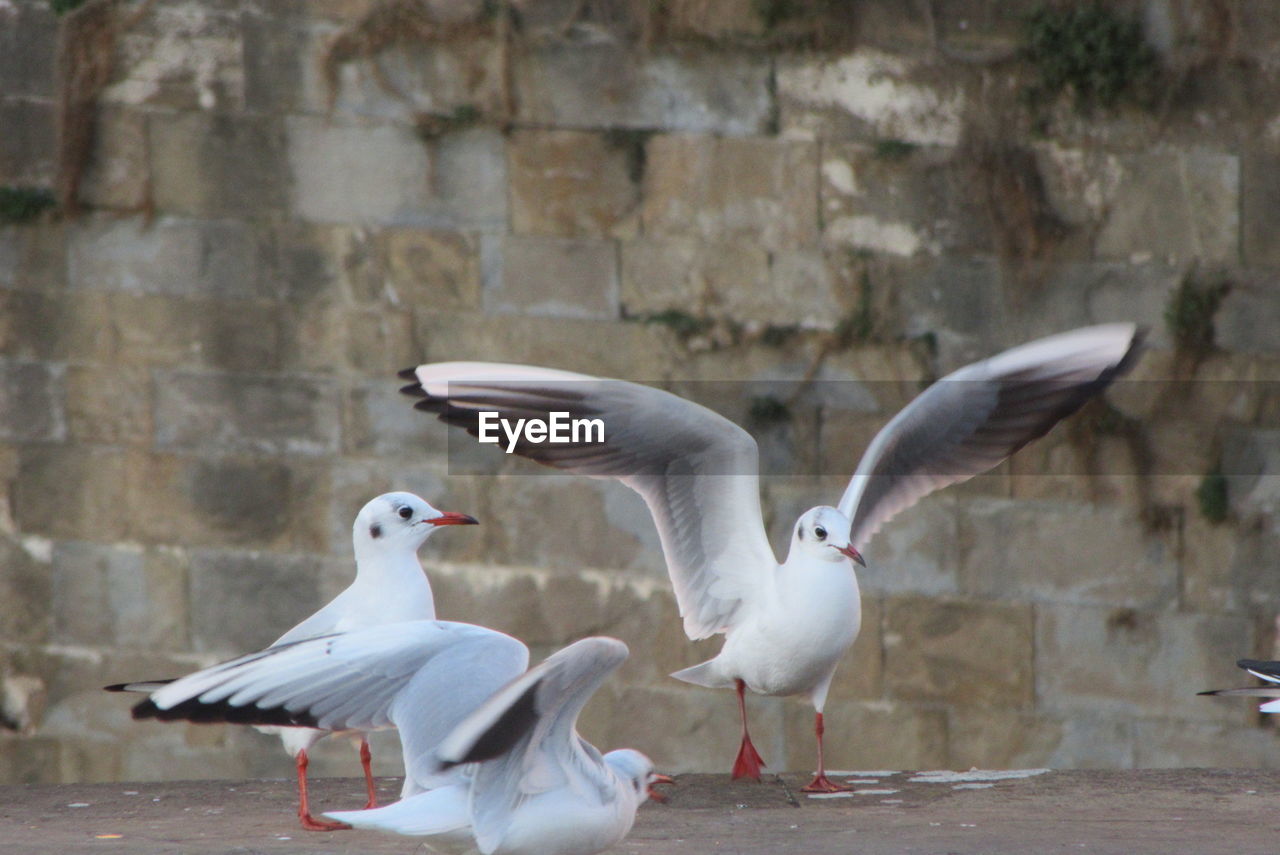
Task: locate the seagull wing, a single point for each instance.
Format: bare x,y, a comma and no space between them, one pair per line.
422,677
972,419
524,737
696,470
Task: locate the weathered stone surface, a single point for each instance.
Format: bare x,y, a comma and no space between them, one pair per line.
562,277
218,165
379,342
236,601
377,419
185,56
1169,743
110,406
27,145
1065,553
117,174
760,190
228,335
723,20
960,652
73,492
1195,197
119,594
607,86
27,37
172,256
574,183
26,596
1246,322
386,174
433,270
869,95
689,728
865,735
266,414
31,402
1124,662
717,280
33,257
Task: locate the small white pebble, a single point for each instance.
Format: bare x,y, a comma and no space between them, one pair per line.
155,800
830,795
935,823
78,804
130,792
793,827
972,786
875,792
284,838
967,825
891,801
1251,792
861,781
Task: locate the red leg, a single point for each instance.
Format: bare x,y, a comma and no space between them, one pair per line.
821,783
748,763
365,757
309,822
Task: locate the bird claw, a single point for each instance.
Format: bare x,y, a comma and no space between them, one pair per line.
748,763
310,823
822,784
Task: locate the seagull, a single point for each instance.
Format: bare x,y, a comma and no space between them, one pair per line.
492,748
787,625
538,787
1263,670
389,587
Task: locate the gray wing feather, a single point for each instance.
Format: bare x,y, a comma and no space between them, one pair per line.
974,418
696,470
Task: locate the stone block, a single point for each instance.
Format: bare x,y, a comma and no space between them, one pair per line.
71,492
379,343
639,351
1008,739
229,335
27,145
916,551
245,600
724,20
1170,744
109,405
709,279
218,165
386,174
959,652
1194,196
377,419
561,277
1246,321
173,256
246,413
33,257
868,95
691,729
118,174
1065,553
182,56
227,501
866,735
32,402
1125,662
722,189
26,595
28,760
28,36
571,183
607,86
119,595
861,675
433,270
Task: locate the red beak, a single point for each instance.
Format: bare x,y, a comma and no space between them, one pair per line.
451,518
658,778
850,553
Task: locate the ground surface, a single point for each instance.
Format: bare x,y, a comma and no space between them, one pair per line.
1136,813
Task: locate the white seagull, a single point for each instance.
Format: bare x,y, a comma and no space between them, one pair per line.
786,625
491,748
1263,670
390,586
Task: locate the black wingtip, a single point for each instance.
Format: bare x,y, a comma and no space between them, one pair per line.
426,405
408,373
116,687
414,390
1209,692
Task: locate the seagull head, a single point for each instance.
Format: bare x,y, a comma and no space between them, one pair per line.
823,533
402,520
637,769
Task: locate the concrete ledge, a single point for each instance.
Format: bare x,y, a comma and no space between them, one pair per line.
1145,812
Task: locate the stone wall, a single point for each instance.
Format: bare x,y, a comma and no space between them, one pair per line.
286,202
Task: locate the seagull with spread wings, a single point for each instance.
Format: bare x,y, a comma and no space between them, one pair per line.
787,625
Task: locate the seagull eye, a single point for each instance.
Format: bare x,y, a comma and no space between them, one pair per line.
820,533
406,512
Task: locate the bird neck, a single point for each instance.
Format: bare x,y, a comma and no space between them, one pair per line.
397,575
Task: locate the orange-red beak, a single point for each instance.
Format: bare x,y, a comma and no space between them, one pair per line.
850,553
451,518
659,778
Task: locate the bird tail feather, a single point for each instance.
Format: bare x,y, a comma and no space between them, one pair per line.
705,674
436,811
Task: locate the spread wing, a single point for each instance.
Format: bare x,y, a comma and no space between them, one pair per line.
422,677
974,418
525,737
696,470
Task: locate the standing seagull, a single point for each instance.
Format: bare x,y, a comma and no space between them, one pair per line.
1263,670
390,586
786,626
459,695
